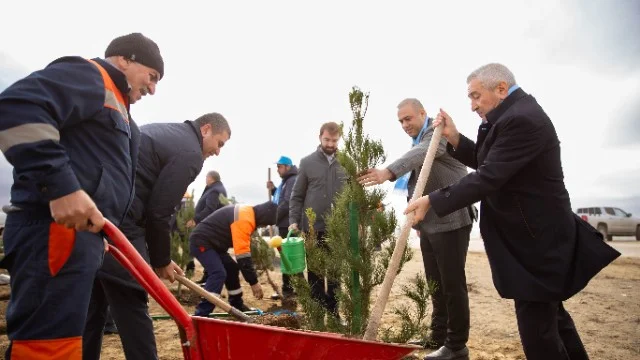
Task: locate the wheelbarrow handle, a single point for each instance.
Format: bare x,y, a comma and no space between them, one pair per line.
213,299
119,256
132,261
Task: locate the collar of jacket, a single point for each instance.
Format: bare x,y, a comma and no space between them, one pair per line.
116,75
323,155
293,171
217,184
495,114
423,131
196,130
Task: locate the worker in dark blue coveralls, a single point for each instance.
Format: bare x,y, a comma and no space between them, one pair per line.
210,241
171,156
67,131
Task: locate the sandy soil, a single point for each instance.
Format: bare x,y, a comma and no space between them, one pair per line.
607,314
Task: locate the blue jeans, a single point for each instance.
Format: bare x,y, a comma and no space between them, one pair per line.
212,263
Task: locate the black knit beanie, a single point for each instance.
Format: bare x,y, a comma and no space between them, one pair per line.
138,48
265,213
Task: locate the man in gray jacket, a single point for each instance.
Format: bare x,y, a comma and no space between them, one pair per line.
443,240
320,178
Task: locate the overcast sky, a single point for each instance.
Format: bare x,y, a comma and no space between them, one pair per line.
278,70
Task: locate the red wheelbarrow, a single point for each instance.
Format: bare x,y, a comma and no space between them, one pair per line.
206,338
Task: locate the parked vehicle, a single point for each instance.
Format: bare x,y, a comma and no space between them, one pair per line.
611,221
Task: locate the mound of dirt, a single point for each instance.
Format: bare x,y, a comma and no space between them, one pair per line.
186,296
283,320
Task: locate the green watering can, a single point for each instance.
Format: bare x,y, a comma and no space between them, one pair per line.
293,255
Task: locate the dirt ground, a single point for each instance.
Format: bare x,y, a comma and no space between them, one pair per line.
607,314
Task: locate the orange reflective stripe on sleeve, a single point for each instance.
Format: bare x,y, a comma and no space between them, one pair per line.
53,349
113,97
61,241
244,223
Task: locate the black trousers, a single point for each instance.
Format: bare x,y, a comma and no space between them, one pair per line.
327,298
130,311
287,289
547,331
444,256
109,319
232,281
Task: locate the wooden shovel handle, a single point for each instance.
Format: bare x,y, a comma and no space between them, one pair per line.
394,264
213,299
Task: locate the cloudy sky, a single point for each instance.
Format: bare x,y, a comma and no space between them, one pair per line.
277,70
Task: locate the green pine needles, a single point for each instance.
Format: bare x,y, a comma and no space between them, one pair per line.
359,235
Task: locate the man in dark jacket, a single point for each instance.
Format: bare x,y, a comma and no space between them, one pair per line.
67,132
281,195
210,199
444,241
320,179
540,252
229,227
207,204
171,156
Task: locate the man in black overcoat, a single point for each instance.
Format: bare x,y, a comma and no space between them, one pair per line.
539,251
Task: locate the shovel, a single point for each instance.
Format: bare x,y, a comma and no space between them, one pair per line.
210,297
392,270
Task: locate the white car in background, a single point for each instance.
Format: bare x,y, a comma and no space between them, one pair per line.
611,221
